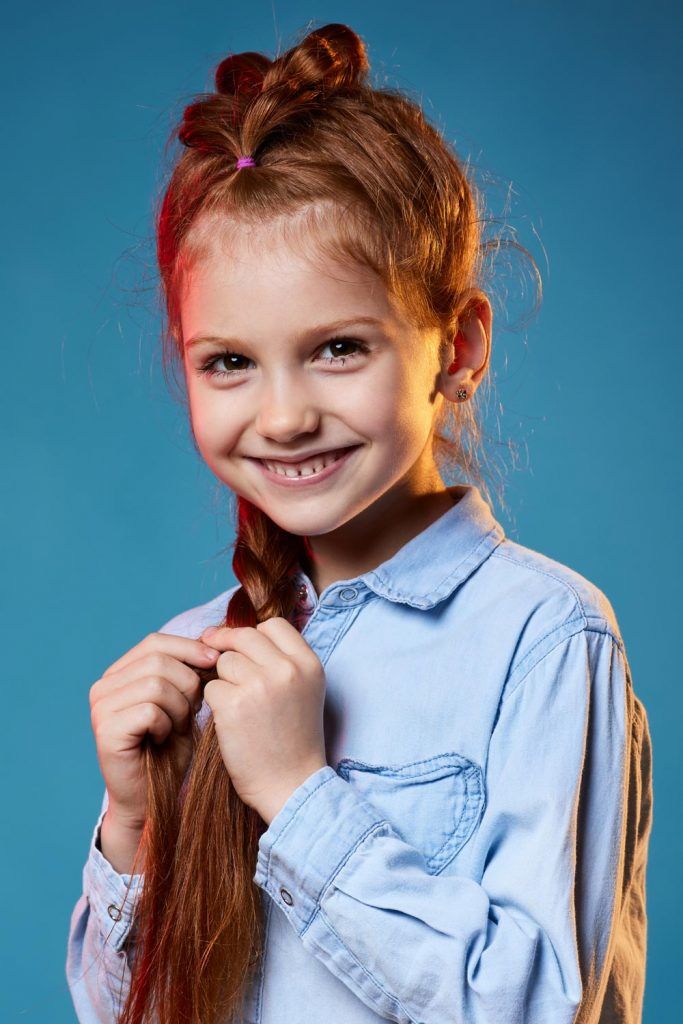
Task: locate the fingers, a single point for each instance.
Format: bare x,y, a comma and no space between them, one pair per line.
134,721
181,647
248,641
153,669
273,637
150,704
236,668
124,728
286,637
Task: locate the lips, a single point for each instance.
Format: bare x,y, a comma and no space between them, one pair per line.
309,471
304,458
305,467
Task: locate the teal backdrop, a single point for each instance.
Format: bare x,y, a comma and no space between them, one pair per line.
571,114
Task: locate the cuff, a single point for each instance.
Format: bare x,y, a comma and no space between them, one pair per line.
107,891
309,840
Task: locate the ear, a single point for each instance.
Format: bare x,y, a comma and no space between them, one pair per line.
468,355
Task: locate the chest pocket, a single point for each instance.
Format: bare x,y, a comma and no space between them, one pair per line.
434,804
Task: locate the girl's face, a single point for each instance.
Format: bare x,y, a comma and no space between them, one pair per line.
266,380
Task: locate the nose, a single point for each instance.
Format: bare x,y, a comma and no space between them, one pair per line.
285,411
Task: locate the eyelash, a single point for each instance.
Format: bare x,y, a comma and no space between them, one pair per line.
207,369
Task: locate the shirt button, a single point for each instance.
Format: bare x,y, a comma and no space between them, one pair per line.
114,912
348,593
286,896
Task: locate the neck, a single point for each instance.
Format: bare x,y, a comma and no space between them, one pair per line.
375,534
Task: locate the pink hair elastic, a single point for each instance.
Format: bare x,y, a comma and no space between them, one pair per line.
245,161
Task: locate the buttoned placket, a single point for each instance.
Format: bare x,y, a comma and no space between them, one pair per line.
316,617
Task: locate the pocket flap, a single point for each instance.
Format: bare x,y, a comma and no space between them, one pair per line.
433,804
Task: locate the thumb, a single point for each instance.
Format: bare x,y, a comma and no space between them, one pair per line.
209,631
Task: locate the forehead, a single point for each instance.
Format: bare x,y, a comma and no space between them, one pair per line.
240,275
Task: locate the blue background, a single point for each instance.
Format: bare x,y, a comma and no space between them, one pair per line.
113,523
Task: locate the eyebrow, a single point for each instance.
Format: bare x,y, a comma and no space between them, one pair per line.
336,325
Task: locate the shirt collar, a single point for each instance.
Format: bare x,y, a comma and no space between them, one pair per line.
432,563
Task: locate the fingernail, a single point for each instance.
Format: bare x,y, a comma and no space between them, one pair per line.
210,654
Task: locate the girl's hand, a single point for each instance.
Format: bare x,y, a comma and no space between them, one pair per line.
267,705
152,688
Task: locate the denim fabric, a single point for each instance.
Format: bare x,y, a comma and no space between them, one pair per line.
475,849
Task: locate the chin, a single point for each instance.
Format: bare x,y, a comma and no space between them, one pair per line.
305,526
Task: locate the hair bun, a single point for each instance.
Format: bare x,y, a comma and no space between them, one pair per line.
241,74
335,54
326,60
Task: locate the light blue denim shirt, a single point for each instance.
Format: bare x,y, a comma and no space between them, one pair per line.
475,849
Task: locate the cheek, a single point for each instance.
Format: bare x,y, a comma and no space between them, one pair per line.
372,403
392,409
214,424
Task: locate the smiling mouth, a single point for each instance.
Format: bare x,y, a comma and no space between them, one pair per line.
307,467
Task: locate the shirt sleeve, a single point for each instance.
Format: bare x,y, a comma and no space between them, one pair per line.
528,938
100,941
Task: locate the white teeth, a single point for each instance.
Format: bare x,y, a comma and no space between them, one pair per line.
307,468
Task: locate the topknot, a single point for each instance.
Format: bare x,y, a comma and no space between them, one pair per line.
333,57
241,74
329,59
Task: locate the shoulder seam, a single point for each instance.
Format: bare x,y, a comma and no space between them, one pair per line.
588,615
497,553
606,630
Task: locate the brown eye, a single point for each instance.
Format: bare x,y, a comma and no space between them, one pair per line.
341,357
209,368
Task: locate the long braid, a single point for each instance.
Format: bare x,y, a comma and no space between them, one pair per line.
190,834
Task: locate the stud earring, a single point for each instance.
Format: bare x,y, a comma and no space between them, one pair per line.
461,393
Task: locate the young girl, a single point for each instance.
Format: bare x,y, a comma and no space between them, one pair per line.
404,776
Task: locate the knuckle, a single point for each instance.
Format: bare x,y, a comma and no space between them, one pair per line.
155,686
155,662
152,714
210,687
309,655
268,624
238,701
315,667
288,673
